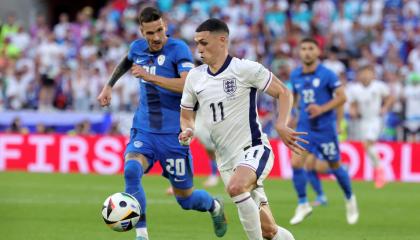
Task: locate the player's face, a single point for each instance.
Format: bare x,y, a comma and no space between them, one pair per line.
366,76
308,52
210,45
155,34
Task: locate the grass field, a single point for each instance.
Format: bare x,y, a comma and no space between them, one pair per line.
64,207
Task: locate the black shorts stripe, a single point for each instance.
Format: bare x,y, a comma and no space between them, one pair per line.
255,129
263,161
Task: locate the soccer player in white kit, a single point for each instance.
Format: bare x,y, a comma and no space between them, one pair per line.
370,99
224,89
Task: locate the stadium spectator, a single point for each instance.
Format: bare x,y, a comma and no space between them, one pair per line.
383,33
16,127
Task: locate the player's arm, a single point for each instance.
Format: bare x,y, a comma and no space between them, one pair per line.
338,100
387,103
172,84
104,97
279,91
340,117
187,116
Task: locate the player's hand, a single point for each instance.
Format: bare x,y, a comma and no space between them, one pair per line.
139,72
186,136
291,137
314,110
104,97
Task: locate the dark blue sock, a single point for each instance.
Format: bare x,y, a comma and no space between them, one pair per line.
133,172
213,166
343,179
199,200
315,182
299,182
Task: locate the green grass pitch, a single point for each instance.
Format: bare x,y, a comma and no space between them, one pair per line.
64,207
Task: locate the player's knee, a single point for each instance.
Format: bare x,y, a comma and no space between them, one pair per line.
334,165
132,170
185,202
235,189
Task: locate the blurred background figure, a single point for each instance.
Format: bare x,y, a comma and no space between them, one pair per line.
17,127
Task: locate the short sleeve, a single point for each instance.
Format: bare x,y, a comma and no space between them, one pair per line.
189,98
183,57
333,81
130,51
256,75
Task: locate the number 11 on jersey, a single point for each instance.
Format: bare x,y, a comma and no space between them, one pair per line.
213,108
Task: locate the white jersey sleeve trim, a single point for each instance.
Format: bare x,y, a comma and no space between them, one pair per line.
187,107
270,78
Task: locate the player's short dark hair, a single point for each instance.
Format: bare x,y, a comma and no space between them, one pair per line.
149,14
213,25
309,40
366,67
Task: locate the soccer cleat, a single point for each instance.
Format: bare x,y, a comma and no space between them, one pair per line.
320,201
302,211
219,220
379,177
211,181
352,212
285,234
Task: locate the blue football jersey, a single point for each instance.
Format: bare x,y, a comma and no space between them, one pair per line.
315,88
158,110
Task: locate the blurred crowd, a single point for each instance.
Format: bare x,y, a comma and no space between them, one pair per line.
63,65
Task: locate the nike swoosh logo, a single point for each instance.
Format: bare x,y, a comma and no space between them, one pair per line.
138,62
199,92
179,180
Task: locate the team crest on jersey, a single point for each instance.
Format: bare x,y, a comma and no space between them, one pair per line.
229,86
316,82
161,59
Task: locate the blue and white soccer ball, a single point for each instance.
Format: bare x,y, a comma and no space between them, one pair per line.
121,211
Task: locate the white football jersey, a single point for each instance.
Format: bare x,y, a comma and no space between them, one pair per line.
369,98
412,96
227,102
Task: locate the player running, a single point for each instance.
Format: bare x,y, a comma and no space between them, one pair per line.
366,98
319,93
224,89
161,63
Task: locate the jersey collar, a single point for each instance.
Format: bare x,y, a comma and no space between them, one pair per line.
224,66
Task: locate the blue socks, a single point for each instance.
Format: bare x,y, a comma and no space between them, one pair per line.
315,182
133,172
213,166
199,200
299,182
343,179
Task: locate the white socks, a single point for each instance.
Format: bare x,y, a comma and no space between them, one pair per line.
249,215
142,232
216,208
283,234
373,156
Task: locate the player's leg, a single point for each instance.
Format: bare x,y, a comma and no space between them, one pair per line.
250,172
371,130
314,180
299,183
270,228
379,175
177,167
328,146
213,179
136,164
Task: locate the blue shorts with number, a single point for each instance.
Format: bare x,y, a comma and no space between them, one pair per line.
322,143
176,160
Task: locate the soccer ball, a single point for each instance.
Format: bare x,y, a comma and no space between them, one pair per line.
121,211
